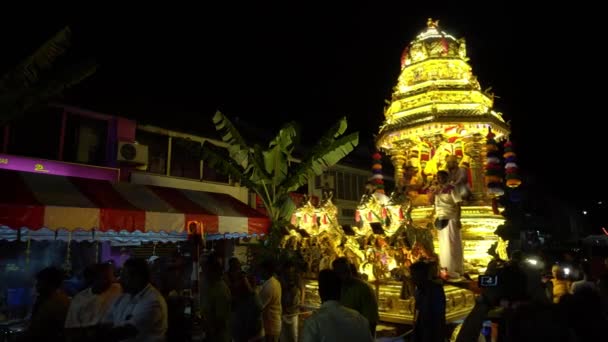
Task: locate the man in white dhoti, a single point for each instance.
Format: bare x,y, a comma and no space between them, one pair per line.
447,213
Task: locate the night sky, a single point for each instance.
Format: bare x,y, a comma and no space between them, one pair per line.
268,65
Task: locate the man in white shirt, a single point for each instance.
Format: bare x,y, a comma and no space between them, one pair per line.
334,322
270,296
140,314
92,304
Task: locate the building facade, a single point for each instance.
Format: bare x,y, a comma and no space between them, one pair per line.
93,143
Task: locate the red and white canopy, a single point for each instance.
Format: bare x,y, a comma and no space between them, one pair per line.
41,202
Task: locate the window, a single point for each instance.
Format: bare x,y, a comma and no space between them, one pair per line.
340,185
348,189
318,182
184,158
36,134
85,140
157,150
211,174
349,186
362,180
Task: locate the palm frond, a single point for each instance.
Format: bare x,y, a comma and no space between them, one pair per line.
28,71
18,101
321,158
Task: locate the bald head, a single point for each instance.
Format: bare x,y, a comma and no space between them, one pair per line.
342,268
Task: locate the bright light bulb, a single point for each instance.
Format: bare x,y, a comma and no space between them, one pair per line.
584,212
566,271
532,261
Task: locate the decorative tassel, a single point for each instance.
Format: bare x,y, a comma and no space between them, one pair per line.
377,178
513,179
493,169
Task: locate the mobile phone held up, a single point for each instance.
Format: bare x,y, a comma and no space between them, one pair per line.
488,280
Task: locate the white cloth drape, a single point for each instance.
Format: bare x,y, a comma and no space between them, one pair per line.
450,248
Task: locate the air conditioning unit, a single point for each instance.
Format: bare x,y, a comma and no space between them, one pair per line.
133,154
327,182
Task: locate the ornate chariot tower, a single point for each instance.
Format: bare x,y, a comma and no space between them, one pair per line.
439,109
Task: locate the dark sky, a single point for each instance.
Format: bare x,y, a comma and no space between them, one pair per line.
312,64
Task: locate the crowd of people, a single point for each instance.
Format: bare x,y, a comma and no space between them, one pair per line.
234,311
527,305
132,310
266,304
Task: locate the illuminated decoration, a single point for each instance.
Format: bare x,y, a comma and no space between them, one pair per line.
604,230
195,228
437,94
511,170
305,217
493,167
438,108
377,177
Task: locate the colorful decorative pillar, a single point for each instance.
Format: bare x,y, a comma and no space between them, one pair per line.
399,160
473,149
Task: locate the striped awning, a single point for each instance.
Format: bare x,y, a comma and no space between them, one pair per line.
41,202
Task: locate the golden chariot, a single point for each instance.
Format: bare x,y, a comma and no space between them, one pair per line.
437,109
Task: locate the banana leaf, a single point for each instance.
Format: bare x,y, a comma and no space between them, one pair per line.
320,159
276,158
239,151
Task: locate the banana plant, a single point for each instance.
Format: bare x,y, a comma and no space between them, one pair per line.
272,172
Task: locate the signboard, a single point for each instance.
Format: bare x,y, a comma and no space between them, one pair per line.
25,164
